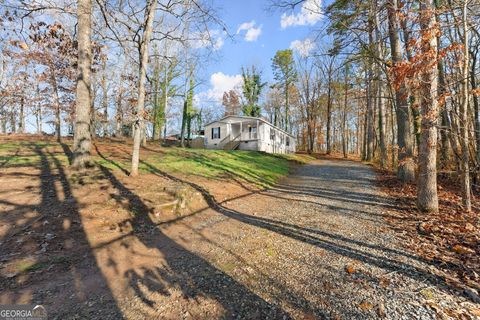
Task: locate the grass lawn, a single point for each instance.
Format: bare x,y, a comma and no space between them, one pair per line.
255,167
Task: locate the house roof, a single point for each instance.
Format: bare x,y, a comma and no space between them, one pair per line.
249,118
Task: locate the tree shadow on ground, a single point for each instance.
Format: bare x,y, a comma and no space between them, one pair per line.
333,243
68,256
189,272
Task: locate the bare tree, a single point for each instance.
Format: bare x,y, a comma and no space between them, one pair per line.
82,137
406,164
465,166
142,75
427,197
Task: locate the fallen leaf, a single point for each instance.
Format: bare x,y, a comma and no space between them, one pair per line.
469,227
381,311
23,46
475,311
350,269
384,282
365,306
427,293
462,250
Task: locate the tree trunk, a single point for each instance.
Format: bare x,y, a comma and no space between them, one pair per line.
38,118
21,120
465,167
142,70
38,113
369,118
286,106
344,120
329,114
119,114
414,95
163,110
105,98
380,99
392,124
427,198
358,138
82,138
370,90
184,124
53,81
406,164
445,132
311,138
3,119
13,122
445,121
93,113
155,97
365,130
476,110
381,127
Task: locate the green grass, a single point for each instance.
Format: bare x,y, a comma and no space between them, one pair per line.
255,167
19,161
28,266
25,154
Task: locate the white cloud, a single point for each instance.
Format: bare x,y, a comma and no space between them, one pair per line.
245,26
219,83
218,43
310,13
252,33
303,47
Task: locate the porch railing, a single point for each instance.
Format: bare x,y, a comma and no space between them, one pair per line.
233,144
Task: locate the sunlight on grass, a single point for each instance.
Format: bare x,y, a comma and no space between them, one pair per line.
259,168
255,167
25,154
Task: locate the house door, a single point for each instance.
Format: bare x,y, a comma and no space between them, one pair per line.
252,132
235,130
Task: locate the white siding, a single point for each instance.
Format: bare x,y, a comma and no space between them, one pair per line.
262,141
278,144
249,145
214,143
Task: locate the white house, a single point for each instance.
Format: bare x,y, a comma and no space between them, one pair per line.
247,133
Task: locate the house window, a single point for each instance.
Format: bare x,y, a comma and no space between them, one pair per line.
216,133
272,134
288,141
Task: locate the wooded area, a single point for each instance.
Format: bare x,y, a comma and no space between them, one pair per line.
392,81
144,175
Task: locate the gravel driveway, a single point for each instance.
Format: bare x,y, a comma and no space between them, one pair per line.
316,246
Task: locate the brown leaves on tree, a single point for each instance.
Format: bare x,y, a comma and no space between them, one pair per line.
475,92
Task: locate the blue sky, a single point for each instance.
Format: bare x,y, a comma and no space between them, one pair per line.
257,51
257,34
256,43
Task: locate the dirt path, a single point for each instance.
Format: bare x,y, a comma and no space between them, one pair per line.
103,247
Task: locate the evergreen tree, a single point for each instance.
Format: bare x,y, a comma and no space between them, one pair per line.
285,74
252,88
